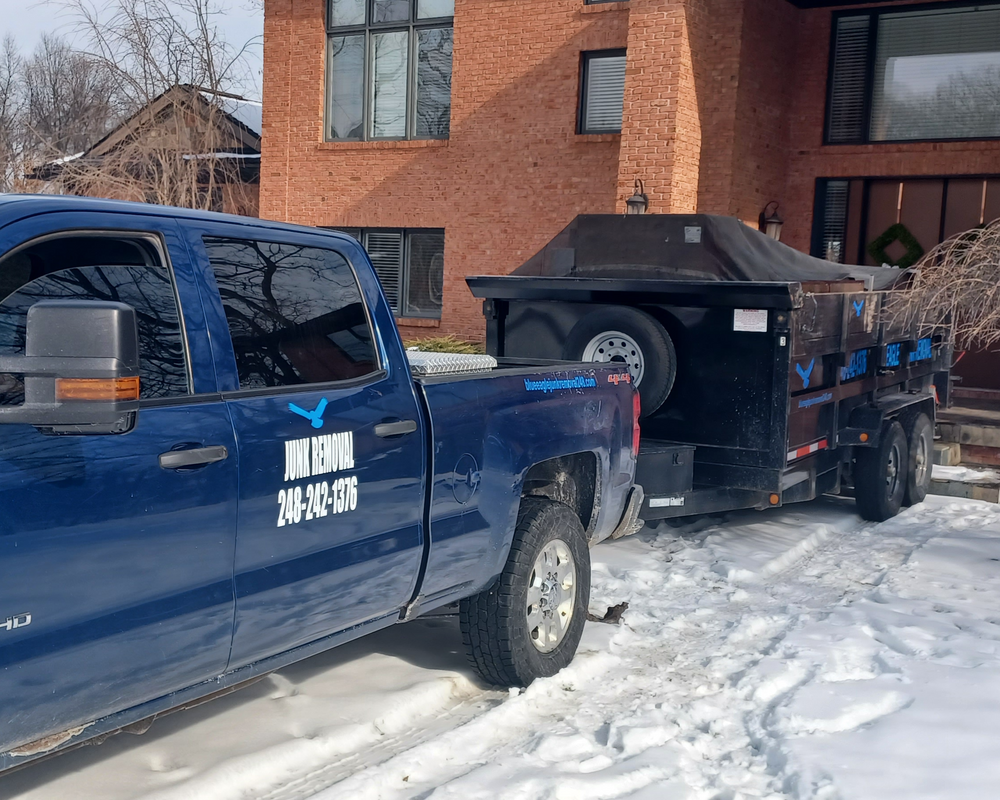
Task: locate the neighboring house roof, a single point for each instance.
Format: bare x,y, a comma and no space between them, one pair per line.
249,113
240,121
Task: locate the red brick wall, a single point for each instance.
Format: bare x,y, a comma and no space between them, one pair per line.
766,76
724,111
661,126
513,172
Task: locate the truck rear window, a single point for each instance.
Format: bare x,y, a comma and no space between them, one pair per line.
296,314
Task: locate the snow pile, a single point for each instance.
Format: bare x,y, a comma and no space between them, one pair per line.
965,474
796,653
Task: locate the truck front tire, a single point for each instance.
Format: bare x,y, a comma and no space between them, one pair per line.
635,340
529,623
881,474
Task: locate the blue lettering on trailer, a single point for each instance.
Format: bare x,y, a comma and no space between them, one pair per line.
892,354
857,367
924,351
815,401
858,307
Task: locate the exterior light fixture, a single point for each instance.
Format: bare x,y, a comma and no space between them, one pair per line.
638,202
770,223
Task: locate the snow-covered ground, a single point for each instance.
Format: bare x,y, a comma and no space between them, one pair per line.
797,653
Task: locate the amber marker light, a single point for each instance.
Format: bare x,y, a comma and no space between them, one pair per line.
863,437
775,499
107,389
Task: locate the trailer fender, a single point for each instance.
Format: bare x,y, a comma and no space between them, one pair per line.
864,425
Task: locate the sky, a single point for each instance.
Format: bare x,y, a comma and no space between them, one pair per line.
27,20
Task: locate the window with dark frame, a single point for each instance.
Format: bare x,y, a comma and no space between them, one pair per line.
602,91
409,263
850,214
388,69
916,75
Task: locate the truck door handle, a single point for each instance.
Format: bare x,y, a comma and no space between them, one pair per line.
401,428
199,457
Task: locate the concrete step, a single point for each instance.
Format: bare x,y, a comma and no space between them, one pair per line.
947,454
975,430
966,482
968,433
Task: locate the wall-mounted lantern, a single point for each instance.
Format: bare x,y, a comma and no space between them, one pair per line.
638,202
770,223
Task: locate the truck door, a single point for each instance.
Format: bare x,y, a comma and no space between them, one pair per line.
330,438
115,571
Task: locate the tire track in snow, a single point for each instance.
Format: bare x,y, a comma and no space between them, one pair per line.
695,698
674,693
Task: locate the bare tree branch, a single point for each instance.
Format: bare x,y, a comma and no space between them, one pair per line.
957,282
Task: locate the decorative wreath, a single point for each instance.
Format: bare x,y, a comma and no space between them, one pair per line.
898,232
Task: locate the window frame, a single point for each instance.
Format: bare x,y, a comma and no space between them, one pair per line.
404,270
411,26
819,205
586,57
873,15
380,369
159,247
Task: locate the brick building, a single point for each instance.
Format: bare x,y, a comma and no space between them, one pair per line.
457,137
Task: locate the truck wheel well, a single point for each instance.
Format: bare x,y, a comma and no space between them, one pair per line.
570,480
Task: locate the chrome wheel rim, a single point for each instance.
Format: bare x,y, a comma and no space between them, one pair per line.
892,471
551,596
920,461
617,347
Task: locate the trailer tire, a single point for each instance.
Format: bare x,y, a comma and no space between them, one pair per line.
508,639
880,474
920,443
633,338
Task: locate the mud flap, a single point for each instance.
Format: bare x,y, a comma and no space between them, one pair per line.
630,522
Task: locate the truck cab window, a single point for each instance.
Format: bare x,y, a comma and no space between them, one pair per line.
295,313
96,268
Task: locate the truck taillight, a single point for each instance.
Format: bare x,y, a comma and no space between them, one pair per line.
636,411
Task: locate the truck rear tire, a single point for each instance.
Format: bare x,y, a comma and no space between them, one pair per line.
529,623
920,442
880,474
635,340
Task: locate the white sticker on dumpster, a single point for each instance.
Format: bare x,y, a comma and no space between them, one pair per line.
750,320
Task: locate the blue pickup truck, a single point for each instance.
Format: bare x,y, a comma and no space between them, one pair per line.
215,460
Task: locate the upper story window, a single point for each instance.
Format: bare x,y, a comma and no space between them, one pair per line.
602,91
915,75
388,69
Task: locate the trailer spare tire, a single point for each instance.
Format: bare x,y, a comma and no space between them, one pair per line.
634,339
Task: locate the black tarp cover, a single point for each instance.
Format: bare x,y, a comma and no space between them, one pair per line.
695,247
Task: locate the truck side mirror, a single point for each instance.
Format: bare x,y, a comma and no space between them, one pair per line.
80,368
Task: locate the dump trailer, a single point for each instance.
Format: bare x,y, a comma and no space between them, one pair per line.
766,376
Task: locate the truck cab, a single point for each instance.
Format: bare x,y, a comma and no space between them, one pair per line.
262,478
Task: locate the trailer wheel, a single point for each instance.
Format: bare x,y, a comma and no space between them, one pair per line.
636,341
529,623
880,474
920,441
